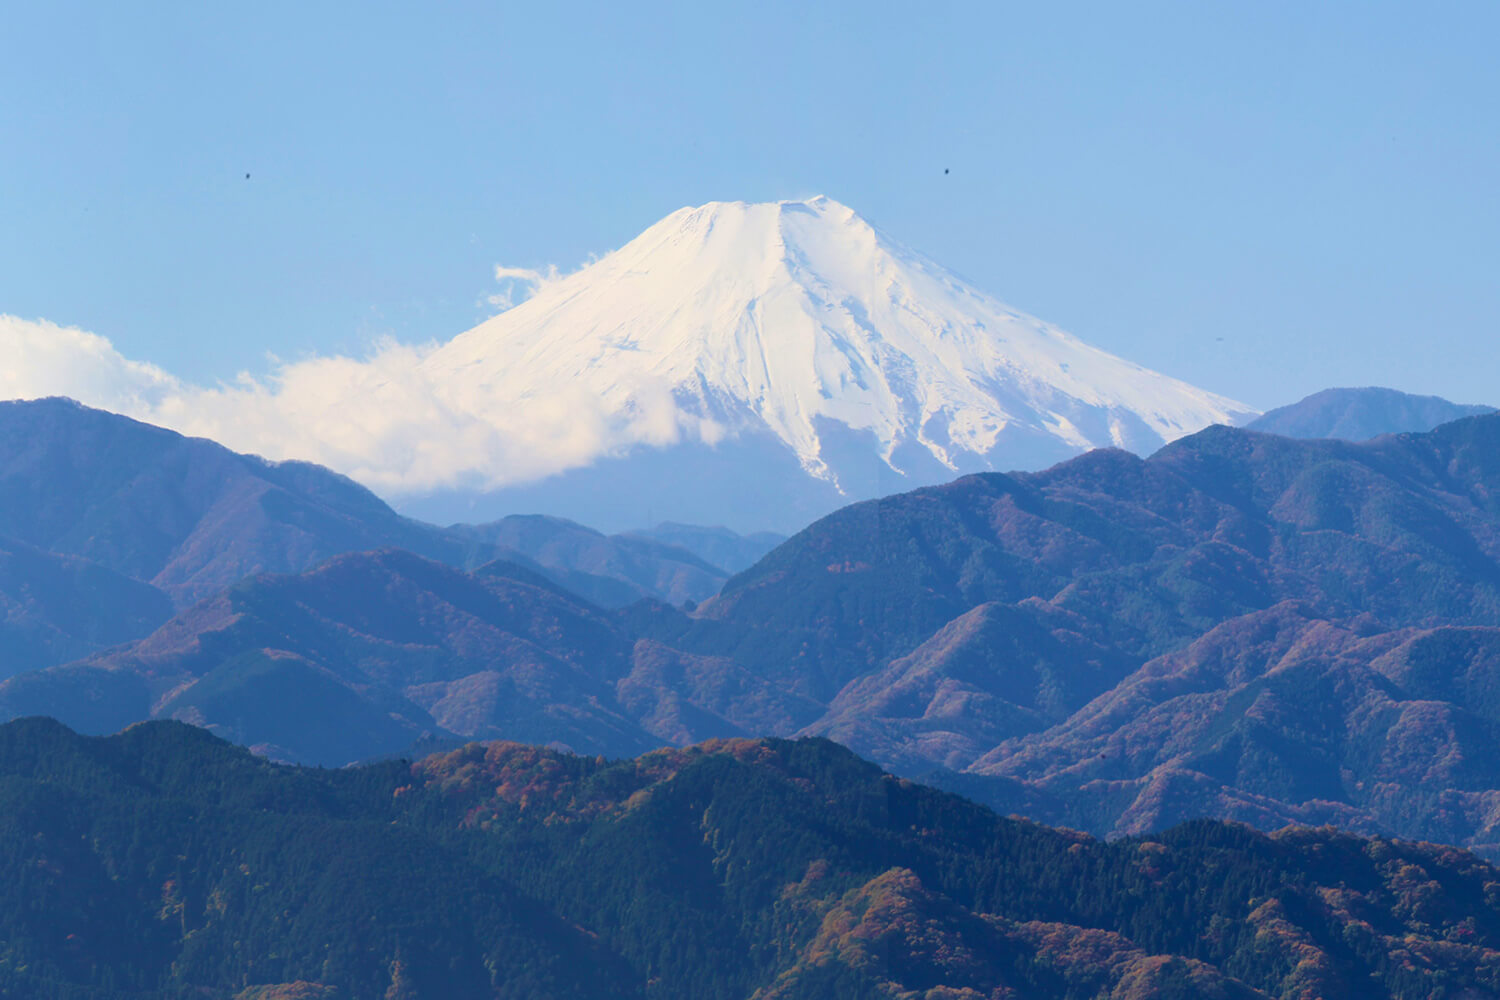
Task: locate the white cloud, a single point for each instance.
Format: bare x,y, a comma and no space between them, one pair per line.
44,359
378,419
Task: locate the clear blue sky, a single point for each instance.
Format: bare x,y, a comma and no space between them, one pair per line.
1316,184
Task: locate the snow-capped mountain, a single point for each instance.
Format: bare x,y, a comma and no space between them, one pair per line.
786,357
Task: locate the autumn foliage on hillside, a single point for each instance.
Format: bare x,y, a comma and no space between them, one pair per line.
163,862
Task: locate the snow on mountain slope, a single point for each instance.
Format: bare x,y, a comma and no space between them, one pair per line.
797,317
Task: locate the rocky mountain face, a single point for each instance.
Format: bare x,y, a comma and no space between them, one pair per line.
1361,414
1241,625
163,862
761,364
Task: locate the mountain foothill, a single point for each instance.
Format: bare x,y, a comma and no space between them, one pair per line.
1242,625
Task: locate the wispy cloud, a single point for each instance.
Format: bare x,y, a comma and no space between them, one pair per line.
517,284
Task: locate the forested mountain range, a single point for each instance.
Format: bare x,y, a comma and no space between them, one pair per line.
1141,640
372,653
108,524
162,862
1241,625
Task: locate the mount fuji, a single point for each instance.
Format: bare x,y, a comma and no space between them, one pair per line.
759,365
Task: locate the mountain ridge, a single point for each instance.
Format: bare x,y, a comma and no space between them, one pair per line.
1111,644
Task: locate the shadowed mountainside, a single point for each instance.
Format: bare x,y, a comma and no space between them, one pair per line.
55,608
114,498
362,657
183,514
610,570
163,862
718,546
372,653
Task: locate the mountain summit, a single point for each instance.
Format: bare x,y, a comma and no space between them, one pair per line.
802,347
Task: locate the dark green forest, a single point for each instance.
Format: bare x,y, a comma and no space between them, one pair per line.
163,862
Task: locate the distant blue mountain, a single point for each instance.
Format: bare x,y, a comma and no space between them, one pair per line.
1362,414
717,546
55,608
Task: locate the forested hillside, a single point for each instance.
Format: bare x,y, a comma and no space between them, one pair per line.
162,862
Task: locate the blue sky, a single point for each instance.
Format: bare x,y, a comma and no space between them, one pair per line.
1264,199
